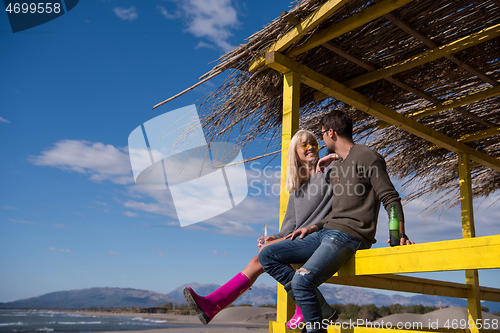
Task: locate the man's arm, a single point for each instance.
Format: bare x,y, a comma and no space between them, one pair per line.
387,194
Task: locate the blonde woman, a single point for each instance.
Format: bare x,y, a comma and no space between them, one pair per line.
310,201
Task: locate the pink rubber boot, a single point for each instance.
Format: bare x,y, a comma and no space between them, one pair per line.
297,318
208,306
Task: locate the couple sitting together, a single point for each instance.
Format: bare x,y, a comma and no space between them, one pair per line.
332,212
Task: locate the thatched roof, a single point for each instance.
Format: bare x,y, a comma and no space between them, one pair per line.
250,103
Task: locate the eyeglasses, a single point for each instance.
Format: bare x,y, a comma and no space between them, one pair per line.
320,135
305,146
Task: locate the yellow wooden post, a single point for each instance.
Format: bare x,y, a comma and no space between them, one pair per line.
291,104
468,231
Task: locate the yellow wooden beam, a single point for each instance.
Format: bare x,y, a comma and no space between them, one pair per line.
453,255
339,91
425,57
465,182
414,285
468,231
456,102
480,134
310,22
290,125
475,136
348,24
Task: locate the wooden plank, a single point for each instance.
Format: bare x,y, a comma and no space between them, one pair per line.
425,57
403,283
475,136
412,284
310,22
348,24
428,42
319,96
480,135
461,254
469,231
339,91
456,102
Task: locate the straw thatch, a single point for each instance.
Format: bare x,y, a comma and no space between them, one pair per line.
250,104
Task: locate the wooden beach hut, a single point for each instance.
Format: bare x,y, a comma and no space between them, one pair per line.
420,79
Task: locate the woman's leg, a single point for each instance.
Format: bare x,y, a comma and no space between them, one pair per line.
253,270
208,306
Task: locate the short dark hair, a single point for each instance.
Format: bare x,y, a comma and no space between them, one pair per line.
338,121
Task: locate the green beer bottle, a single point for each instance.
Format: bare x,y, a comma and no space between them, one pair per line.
393,227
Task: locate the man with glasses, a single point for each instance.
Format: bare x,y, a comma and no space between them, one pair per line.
360,183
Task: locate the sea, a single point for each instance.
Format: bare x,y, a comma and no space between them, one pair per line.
30,321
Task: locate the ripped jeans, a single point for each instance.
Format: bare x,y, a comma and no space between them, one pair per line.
322,252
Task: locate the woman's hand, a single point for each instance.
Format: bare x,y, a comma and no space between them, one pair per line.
302,232
326,161
269,242
264,240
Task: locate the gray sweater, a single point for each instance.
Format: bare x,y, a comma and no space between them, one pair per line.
308,205
360,183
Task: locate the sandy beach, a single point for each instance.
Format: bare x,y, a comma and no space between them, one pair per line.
234,319
256,320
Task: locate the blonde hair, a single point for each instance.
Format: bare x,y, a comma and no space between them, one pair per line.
293,179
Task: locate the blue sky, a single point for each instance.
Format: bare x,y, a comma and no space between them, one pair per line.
72,90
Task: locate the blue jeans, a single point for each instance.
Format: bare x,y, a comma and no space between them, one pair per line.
322,252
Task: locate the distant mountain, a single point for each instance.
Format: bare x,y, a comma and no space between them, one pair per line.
258,295
93,297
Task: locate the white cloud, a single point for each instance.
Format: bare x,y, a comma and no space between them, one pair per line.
60,250
155,208
113,253
165,13
159,254
218,253
21,221
9,207
125,14
130,214
202,44
211,19
3,120
232,228
99,161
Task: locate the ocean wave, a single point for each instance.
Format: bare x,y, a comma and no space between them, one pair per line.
45,329
148,320
80,322
12,324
